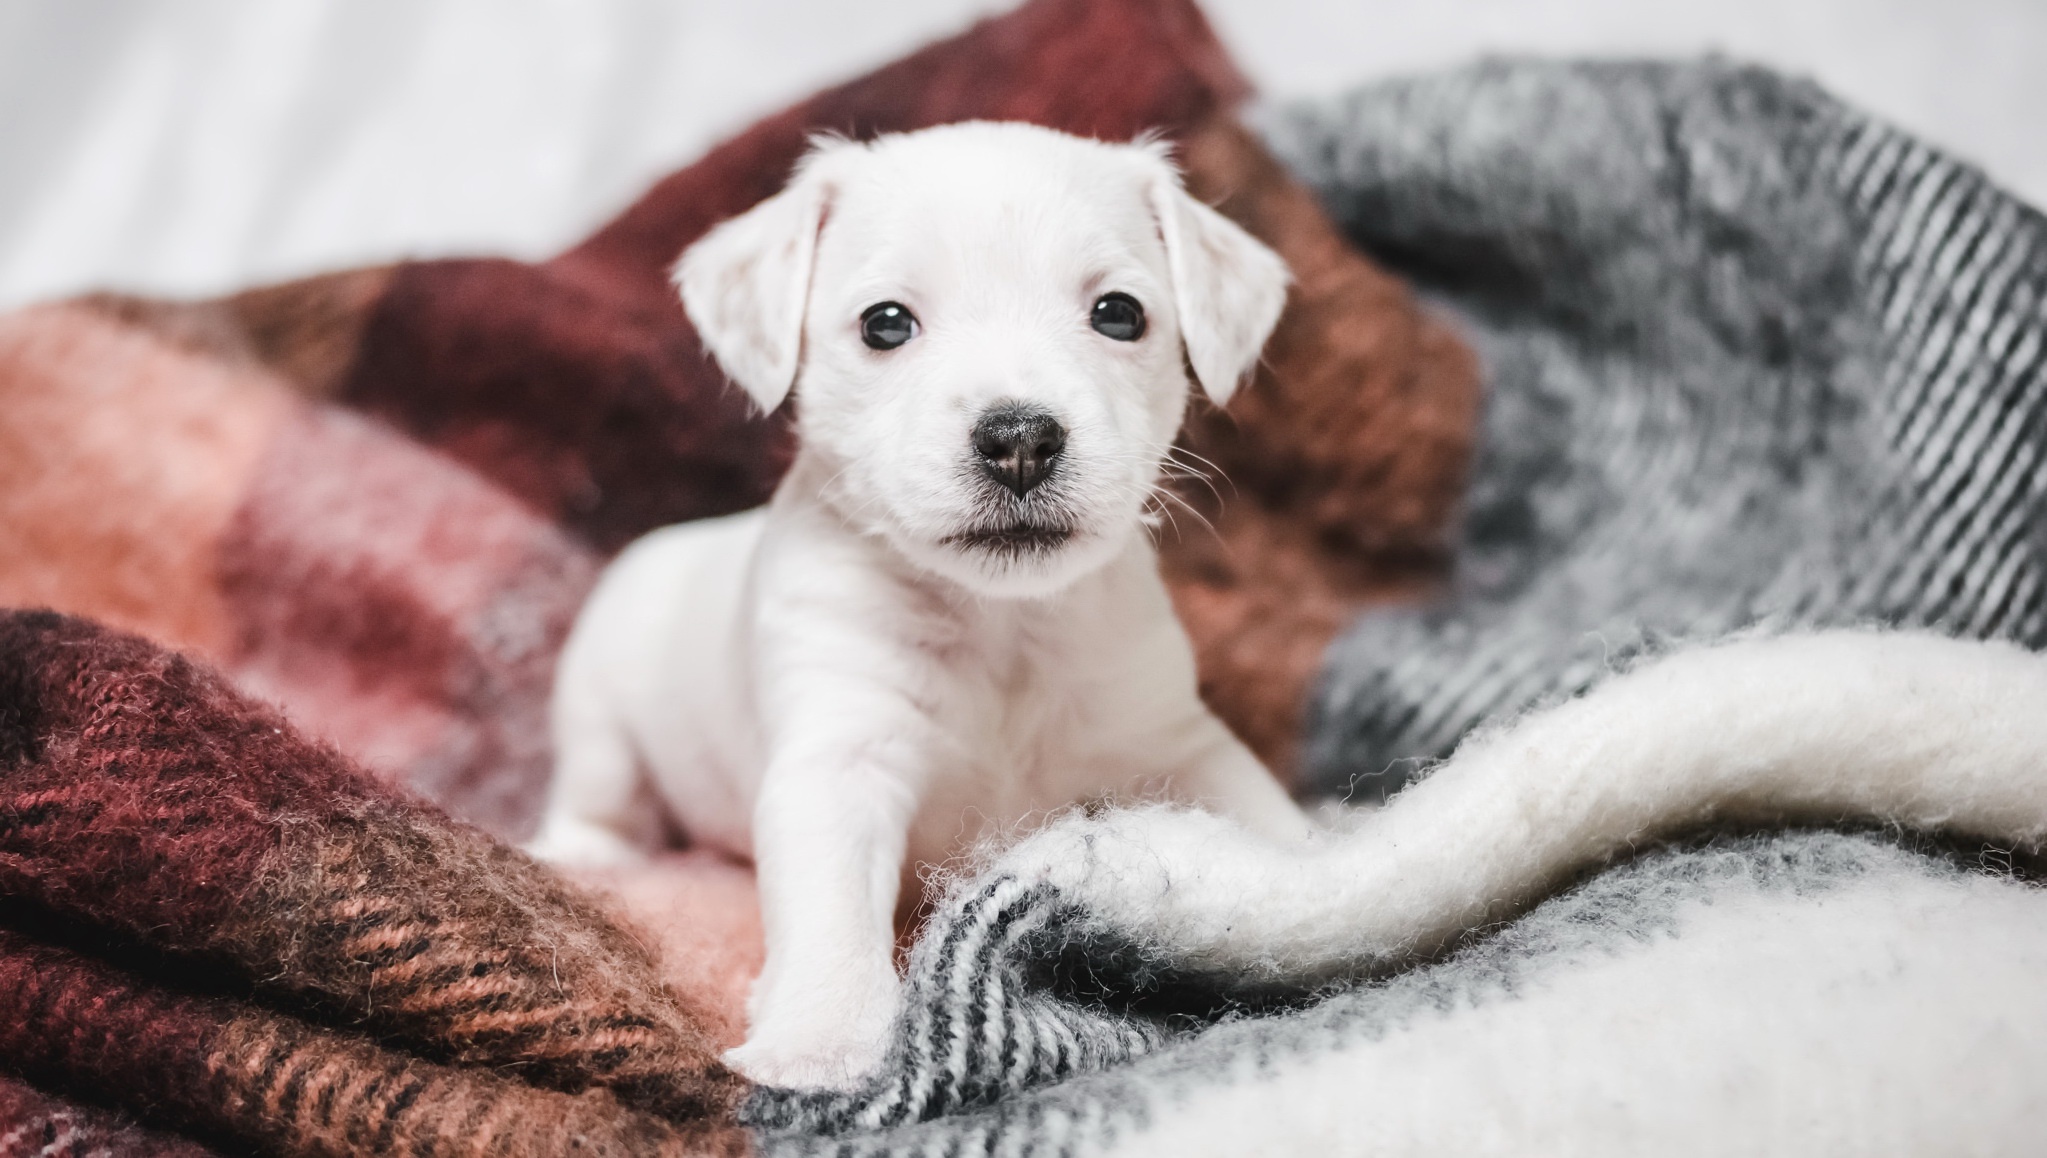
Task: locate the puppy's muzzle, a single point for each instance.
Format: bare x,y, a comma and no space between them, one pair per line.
1018,445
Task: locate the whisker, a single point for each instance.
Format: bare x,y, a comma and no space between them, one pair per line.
1196,476
1166,500
1177,451
1205,475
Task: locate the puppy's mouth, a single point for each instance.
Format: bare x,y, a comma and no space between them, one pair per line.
1018,540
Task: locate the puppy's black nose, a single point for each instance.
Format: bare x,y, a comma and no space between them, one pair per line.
1017,445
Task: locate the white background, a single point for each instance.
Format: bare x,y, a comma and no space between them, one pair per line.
191,146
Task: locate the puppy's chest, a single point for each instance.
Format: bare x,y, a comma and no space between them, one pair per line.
1027,718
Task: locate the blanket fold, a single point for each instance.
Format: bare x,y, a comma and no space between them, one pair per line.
1179,904
39,1126
375,499
150,810
1751,361
1752,358
225,1069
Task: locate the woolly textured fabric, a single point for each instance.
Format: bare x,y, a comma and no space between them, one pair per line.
399,604
152,815
230,1071
989,1035
1751,357
1331,482
1225,962
121,462
35,1125
403,608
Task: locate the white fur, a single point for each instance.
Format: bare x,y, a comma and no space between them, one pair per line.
834,685
1929,733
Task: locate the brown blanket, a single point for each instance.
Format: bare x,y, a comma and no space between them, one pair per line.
375,499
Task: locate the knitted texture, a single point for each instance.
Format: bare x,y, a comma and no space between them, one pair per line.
1036,1031
376,498
1160,981
399,604
225,1070
40,1126
193,891
1331,482
1751,358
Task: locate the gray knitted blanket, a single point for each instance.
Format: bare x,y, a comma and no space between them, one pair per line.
1753,359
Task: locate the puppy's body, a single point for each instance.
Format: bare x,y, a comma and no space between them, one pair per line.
986,715
949,620
1032,705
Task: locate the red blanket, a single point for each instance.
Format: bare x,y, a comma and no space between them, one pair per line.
375,500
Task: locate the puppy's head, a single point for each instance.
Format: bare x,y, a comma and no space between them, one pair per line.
990,327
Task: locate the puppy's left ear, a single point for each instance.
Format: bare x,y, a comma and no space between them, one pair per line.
746,284
1229,286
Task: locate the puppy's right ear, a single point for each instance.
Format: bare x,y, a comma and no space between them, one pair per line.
746,284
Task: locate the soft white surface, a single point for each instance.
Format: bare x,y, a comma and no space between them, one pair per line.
1926,733
1890,1011
197,145
1893,1015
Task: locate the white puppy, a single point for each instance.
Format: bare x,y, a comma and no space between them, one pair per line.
949,620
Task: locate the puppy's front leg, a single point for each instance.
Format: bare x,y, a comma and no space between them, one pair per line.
1223,775
830,835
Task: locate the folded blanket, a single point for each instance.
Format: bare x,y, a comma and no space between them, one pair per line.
241,935
238,935
1751,358
35,1125
376,498
1158,981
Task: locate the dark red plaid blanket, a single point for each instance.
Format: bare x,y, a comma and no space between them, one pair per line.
353,516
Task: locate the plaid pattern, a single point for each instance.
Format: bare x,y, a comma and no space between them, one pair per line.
39,1126
235,932
375,498
1751,357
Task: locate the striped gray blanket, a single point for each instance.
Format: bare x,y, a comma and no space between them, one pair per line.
1752,357
1753,360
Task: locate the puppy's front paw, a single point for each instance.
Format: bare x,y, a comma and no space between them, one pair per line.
807,1061
566,840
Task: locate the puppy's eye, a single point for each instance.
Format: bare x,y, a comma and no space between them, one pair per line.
1118,316
886,326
